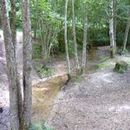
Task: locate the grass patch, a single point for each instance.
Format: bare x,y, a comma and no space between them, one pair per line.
103,65
39,126
104,59
105,62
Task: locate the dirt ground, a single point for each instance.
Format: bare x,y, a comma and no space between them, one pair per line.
101,101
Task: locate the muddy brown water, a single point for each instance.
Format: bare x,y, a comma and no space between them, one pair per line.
44,94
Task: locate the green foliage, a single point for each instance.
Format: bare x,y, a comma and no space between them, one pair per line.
43,70
48,15
71,47
105,62
39,126
37,50
103,65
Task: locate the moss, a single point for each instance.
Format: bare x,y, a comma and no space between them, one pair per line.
39,126
121,67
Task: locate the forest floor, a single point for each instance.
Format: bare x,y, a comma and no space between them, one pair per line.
97,100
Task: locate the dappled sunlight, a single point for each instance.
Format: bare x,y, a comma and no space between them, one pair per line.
1,33
122,108
106,77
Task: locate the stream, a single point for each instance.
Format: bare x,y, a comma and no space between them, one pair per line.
45,92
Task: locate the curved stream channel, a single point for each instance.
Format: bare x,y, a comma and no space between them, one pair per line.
45,92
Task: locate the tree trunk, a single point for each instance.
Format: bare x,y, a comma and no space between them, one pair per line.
115,22
65,37
27,57
74,35
126,33
84,41
13,32
11,70
13,22
112,29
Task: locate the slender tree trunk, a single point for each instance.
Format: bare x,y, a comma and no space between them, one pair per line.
11,69
115,21
27,57
126,33
74,35
111,29
13,32
65,37
13,22
84,41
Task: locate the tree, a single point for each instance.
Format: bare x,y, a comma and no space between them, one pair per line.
112,28
14,85
46,24
126,32
65,38
85,29
27,57
74,35
20,111
13,22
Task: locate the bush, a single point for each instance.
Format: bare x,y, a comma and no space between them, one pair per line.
43,70
37,50
121,67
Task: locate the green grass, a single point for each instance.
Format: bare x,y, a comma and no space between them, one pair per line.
103,65
104,59
39,126
105,62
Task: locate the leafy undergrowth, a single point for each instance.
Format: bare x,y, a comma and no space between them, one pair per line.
43,70
37,49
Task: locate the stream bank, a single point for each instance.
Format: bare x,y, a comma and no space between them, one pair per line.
45,91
